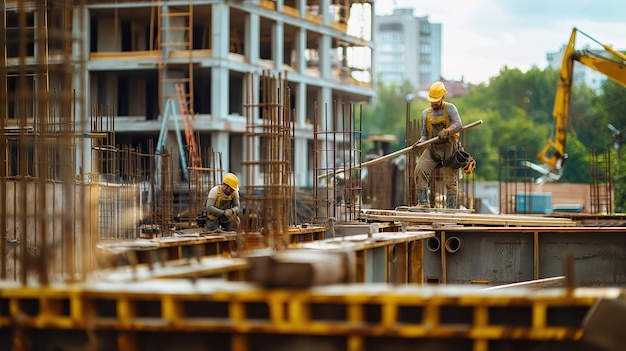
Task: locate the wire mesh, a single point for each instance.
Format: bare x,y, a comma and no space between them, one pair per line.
337,165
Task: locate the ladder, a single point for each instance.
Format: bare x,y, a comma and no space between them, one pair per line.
190,139
175,24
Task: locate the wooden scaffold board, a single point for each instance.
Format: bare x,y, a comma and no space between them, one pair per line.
463,218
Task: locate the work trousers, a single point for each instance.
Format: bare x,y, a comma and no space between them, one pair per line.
424,168
222,223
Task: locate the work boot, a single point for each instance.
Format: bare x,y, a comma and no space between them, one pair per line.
422,200
451,201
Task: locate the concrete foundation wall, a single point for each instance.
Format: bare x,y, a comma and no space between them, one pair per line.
511,255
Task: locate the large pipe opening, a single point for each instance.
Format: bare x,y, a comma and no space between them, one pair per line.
433,244
454,244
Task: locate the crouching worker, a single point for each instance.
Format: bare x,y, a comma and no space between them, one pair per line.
223,206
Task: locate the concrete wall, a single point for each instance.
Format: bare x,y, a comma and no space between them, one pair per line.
495,256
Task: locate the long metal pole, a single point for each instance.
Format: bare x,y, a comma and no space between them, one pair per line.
396,153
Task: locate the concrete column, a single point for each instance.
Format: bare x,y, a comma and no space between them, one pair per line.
324,50
219,75
327,116
220,142
278,47
252,117
301,5
301,105
167,89
300,64
80,53
251,40
301,160
301,156
324,6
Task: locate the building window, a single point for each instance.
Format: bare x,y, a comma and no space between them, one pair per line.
388,37
392,67
390,57
391,27
397,48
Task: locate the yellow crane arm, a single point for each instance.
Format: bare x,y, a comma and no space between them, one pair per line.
613,66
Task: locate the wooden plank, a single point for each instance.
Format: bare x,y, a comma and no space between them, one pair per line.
464,218
206,267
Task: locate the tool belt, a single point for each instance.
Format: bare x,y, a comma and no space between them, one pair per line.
458,159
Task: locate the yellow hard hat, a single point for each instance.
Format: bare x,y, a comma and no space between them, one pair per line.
232,181
436,92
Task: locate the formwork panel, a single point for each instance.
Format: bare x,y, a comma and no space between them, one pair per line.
599,256
496,256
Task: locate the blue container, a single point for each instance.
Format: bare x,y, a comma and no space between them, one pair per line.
533,203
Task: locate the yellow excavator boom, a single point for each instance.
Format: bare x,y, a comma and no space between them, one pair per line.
612,65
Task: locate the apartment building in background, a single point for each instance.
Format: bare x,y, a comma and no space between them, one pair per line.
407,48
129,58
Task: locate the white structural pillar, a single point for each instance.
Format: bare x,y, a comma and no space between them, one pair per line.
324,6
220,18
80,53
302,174
277,44
220,142
219,74
301,144
251,42
301,5
327,116
324,56
300,49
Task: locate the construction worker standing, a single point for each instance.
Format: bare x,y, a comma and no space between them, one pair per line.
223,206
441,119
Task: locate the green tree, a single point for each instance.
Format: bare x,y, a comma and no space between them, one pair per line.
577,167
588,119
388,114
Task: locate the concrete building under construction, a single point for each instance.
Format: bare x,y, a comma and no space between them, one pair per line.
131,57
96,257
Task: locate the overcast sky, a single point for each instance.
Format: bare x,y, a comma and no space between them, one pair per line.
479,37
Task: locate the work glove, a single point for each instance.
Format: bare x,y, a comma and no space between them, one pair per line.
229,213
236,210
443,135
419,149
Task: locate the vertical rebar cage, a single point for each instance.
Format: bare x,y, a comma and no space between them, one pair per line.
268,146
47,213
337,160
601,191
